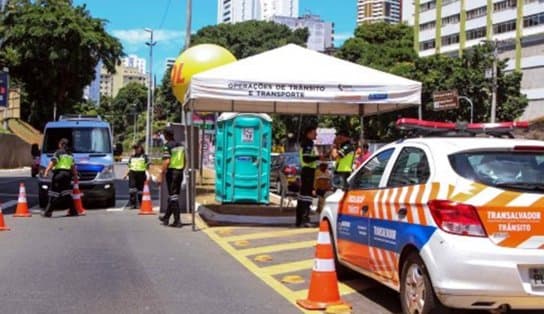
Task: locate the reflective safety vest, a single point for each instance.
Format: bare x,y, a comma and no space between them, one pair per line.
345,163
312,164
64,162
177,158
137,164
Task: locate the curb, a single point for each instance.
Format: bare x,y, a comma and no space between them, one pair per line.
214,218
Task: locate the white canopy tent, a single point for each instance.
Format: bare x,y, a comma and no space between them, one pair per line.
296,80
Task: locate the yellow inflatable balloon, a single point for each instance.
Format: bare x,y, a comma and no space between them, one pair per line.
195,60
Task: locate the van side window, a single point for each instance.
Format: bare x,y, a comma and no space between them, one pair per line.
411,168
370,175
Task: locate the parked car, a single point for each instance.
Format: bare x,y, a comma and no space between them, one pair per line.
289,165
450,220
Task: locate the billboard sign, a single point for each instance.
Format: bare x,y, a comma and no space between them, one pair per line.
445,100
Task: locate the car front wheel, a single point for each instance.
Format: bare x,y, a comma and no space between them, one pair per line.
416,290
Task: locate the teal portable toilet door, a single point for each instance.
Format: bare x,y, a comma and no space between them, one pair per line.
247,166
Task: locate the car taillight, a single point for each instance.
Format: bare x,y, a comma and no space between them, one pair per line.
457,218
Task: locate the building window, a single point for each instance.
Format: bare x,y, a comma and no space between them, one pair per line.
427,6
504,27
428,25
426,45
504,5
476,33
476,13
450,40
452,19
533,20
446,2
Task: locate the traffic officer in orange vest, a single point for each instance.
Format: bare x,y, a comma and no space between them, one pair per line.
172,170
60,193
138,164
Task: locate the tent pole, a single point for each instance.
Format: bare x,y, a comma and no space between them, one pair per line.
420,111
193,181
362,122
299,130
188,156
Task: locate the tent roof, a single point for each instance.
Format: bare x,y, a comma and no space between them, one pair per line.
296,80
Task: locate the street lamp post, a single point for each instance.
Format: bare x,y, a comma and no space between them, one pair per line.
150,43
494,87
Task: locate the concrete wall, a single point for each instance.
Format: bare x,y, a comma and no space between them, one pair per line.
15,152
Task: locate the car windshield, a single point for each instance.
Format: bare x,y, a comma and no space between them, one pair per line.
81,140
509,170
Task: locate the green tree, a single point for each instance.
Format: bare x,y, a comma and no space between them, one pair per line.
390,48
467,76
53,47
131,100
167,107
246,39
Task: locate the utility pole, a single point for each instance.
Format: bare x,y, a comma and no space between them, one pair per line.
494,87
150,43
189,17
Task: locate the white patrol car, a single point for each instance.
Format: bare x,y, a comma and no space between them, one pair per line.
449,221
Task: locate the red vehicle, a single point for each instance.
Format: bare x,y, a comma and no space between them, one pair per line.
289,165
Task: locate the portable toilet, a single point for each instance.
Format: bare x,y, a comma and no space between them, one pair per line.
242,160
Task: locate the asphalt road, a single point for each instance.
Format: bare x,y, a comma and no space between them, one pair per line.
119,262
10,179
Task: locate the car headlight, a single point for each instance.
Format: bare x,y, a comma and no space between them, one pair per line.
106,174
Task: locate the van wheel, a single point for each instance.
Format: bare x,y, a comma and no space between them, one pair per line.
43,199
416,291
110,203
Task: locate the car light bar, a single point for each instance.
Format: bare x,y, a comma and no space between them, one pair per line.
408,123
506,126
433,127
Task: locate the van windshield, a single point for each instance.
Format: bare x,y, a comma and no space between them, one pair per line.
508,170
81,140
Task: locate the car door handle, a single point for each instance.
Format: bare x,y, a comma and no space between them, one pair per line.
402,212
365,209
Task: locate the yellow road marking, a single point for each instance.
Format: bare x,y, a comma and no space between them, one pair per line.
288,267
276,248
270,234
276,285
345,288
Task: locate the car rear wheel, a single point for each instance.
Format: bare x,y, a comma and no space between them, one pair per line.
416,291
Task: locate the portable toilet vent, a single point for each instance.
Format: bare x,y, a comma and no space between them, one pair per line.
242,161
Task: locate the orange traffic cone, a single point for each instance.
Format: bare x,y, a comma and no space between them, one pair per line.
323,283
76,196
22,205
3,226
146,208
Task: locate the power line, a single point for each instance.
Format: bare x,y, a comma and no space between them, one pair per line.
165,14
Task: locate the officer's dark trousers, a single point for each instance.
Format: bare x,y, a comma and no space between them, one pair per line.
60,193
305,198
173,181
136,180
